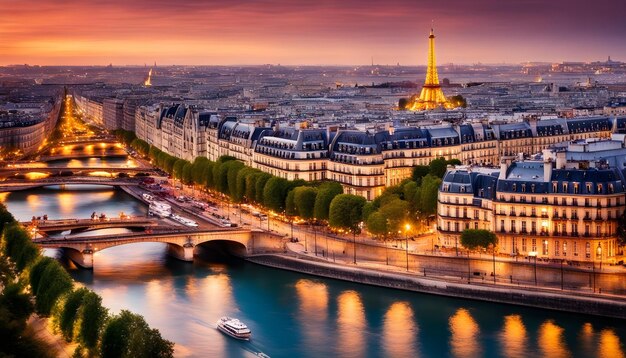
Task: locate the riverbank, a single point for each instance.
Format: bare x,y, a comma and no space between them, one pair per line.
593,304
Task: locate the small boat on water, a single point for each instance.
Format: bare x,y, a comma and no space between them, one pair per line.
234,328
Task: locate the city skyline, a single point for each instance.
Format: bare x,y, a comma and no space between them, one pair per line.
308,33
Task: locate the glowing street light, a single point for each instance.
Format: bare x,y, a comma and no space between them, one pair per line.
407,227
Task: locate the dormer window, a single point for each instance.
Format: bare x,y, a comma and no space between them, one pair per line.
565,187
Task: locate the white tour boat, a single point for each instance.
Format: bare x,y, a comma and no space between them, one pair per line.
234,328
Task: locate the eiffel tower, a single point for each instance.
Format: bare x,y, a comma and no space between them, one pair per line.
431,96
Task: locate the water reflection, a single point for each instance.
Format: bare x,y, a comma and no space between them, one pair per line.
313,312
400,331
513,337
551,342
586,339
610,345
464,334
351,325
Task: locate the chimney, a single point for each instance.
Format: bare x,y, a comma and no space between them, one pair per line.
561,160
505,162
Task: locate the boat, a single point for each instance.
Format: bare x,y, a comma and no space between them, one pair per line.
159,209
147,197
234,328
184,220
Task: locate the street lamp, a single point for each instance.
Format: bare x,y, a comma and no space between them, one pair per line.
407,227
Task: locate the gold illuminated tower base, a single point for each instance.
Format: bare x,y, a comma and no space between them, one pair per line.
432,96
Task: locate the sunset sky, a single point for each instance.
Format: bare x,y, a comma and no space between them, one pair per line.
226,32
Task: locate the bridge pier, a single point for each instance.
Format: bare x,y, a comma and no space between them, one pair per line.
183,253
82,258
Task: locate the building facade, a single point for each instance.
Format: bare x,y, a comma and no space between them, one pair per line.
564,205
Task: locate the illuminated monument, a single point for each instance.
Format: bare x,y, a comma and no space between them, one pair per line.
431,96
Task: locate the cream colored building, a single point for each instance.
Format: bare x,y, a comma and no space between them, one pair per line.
565,206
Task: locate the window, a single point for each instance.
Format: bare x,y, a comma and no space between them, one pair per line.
564,248
512,225
556,248
523,226
534,245
575,188
588,250
523,245
545,247
575,248
533,226
502,225
574,229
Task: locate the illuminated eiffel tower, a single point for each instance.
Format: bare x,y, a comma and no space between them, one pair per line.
431,96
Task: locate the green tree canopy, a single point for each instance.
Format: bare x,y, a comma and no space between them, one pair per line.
346,211
275,193
127,335
304,197
325,195
68,314
91,317
187,173
478,238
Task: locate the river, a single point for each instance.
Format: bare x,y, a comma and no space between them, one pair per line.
296,315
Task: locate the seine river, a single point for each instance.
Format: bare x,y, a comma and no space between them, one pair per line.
295,315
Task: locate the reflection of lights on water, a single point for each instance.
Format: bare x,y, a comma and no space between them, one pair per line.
513,337
464,334
100,174
36,175
351,324
550,340
399,331
33,202
610,345
313,297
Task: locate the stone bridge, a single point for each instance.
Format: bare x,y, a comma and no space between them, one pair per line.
48,226
181,244
17,185
9,172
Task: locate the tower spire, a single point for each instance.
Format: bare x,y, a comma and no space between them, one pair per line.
431,96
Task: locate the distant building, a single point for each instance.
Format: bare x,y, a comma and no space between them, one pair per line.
113,113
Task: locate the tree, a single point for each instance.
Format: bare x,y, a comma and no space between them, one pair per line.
346,212
394,212
420,171
187,174
426,196
402,103
128,335
36,272
5,216
275,193
69,313
259,187
234,167
304,197
177,171
377,224
478,238
325,195
458,101
54,282
91,320
291,209
240,184
437,167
